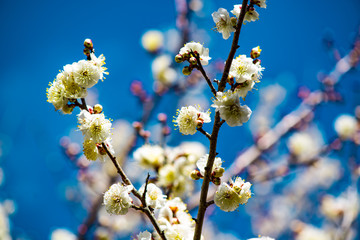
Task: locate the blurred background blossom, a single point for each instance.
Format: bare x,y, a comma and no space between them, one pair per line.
304,165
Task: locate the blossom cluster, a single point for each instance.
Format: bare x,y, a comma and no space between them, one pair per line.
173,165
226,24
74,80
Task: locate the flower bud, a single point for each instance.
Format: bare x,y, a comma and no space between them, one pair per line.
218,172
187,70
98,108
216,180
233,21
87,51
195,175
162,117
193,61
67,109
88,44
145,134
186,56
137,125
255,52
179,58
100,148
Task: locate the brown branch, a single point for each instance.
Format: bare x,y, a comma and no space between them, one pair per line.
201,69
234,47
287,123
127,181
216,129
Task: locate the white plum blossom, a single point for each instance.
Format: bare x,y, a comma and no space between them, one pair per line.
250,16
198,48
154,196
56,94
144,236
117,200
243,88
201,164
226,198
94,126
229,197
167,175
162,70
94,151
242,188
260,3
346,126
62,234
175,221
230,109
190,118
72,89
244,69
303,146
150,156
223,22
86,74
152,40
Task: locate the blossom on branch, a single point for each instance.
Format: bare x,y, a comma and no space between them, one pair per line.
117,200
94,126
216,170
150,156
230,109
190,118
229,196
244,69
223,22
250,16
154,196
196,48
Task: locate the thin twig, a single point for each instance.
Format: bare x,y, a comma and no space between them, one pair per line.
204,132
146,184
201,69
127,181
209,203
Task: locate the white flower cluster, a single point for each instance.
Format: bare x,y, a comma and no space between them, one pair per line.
72,83
226,25
229,196
196,48
175,221
117,200
96,130
216,173
154,197
150,156
174,173
190,118
246,72
230,109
